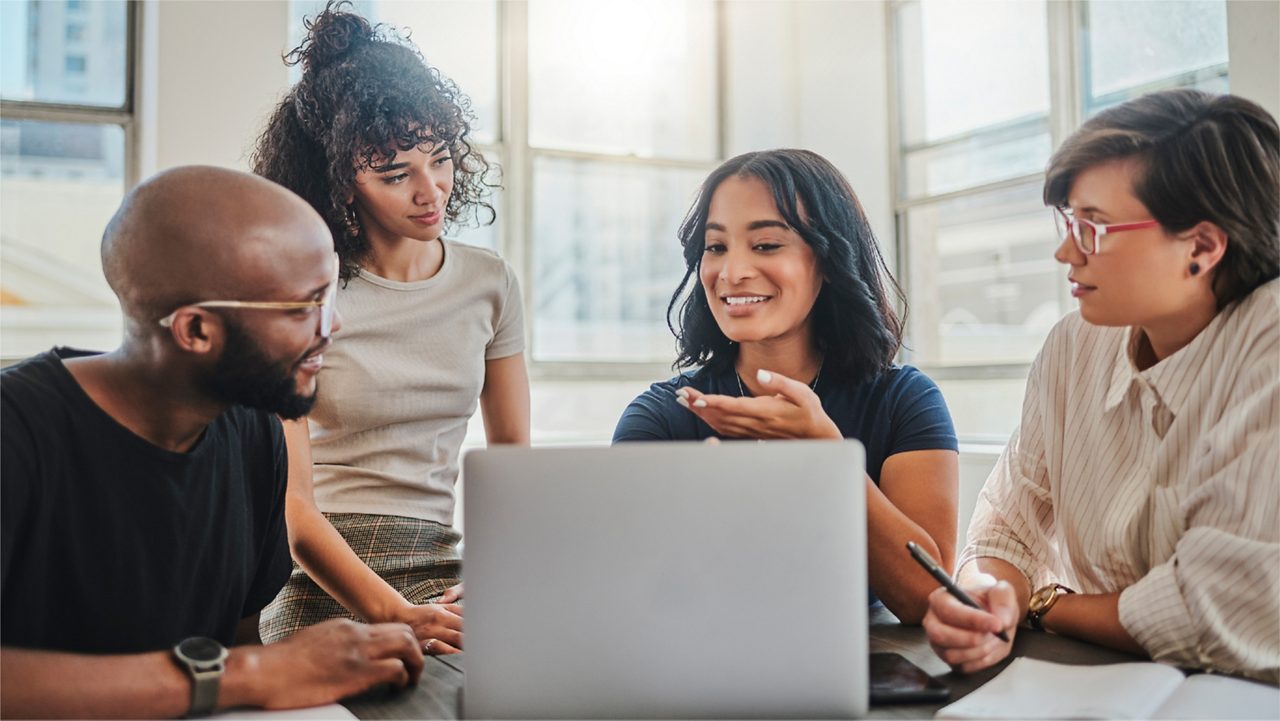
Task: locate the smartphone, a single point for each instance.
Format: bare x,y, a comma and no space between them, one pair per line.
894,679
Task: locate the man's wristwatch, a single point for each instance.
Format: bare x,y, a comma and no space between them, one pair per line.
1041,601
205,660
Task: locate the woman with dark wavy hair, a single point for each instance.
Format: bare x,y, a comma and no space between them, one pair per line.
785,309
376,141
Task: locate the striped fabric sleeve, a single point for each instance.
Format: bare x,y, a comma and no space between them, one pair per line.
1216,602
1013,520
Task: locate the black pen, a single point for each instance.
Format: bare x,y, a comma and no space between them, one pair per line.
931,566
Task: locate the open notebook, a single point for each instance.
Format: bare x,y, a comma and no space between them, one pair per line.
1031,689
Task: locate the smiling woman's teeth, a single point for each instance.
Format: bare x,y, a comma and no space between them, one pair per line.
746,300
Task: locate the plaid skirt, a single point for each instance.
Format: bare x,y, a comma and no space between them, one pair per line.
418,558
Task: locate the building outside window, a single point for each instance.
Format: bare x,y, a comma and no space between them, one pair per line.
65,161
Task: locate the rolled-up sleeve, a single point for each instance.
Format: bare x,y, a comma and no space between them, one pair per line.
1215,603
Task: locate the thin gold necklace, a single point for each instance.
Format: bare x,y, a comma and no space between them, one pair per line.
742,390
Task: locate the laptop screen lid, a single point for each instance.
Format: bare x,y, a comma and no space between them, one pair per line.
666,580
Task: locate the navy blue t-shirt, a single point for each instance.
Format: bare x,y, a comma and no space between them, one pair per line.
898,410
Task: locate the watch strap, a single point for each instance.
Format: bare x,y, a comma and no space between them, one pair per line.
204,691
205,661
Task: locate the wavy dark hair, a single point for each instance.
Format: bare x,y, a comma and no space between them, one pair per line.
1201,157
855,325
365,93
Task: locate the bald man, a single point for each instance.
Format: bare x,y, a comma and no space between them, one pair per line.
142,490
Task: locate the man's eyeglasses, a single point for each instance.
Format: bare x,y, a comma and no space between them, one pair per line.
1088,235
325,304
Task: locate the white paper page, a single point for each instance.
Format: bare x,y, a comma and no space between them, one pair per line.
1031,689
1205,696
332,712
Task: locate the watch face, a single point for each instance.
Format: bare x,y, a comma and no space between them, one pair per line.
201,650
1040,598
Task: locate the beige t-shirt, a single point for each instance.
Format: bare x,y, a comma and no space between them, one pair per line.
402,379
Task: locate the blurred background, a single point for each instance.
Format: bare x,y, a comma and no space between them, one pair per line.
604,116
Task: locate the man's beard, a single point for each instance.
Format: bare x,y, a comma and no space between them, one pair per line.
245,376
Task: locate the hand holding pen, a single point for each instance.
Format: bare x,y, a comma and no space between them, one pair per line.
936,571
961,631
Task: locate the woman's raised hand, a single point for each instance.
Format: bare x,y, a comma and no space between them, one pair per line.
792,410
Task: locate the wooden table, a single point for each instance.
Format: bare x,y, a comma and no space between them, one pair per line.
439,692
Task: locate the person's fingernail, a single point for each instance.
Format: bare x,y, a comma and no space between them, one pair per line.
682,401
699,403
764,376
682,393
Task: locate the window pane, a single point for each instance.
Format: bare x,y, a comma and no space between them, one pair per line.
984,285
1012,151
606,258
472,232
965,66
59,185
64,52
623,77
1129,45
469,58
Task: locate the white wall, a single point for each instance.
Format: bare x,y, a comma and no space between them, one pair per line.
1253,48
210,73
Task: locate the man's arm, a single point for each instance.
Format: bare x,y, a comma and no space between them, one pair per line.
318,665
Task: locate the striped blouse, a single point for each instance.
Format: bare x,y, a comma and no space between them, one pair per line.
1163,484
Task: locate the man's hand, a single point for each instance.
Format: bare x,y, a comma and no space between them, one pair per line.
965,637
438,626
793,411
330,661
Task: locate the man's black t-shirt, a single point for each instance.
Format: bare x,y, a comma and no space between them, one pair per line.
114,545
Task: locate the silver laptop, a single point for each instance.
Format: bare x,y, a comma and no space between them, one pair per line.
666,580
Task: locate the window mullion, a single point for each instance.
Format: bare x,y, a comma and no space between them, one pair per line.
517,218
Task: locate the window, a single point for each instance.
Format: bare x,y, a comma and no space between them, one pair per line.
65,160
622,128
1128,49
981,105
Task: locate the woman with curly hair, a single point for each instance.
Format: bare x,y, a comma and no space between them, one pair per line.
376,141
786,317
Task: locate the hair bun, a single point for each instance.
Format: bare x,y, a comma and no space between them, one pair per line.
331,35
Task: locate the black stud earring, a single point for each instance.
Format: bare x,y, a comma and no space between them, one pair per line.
1195,269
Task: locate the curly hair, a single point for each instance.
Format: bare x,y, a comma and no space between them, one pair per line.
855,325
366,93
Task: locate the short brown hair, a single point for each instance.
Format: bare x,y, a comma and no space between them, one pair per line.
1201,157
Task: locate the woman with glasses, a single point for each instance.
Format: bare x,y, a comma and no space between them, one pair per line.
1137,505
785,310
377,141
